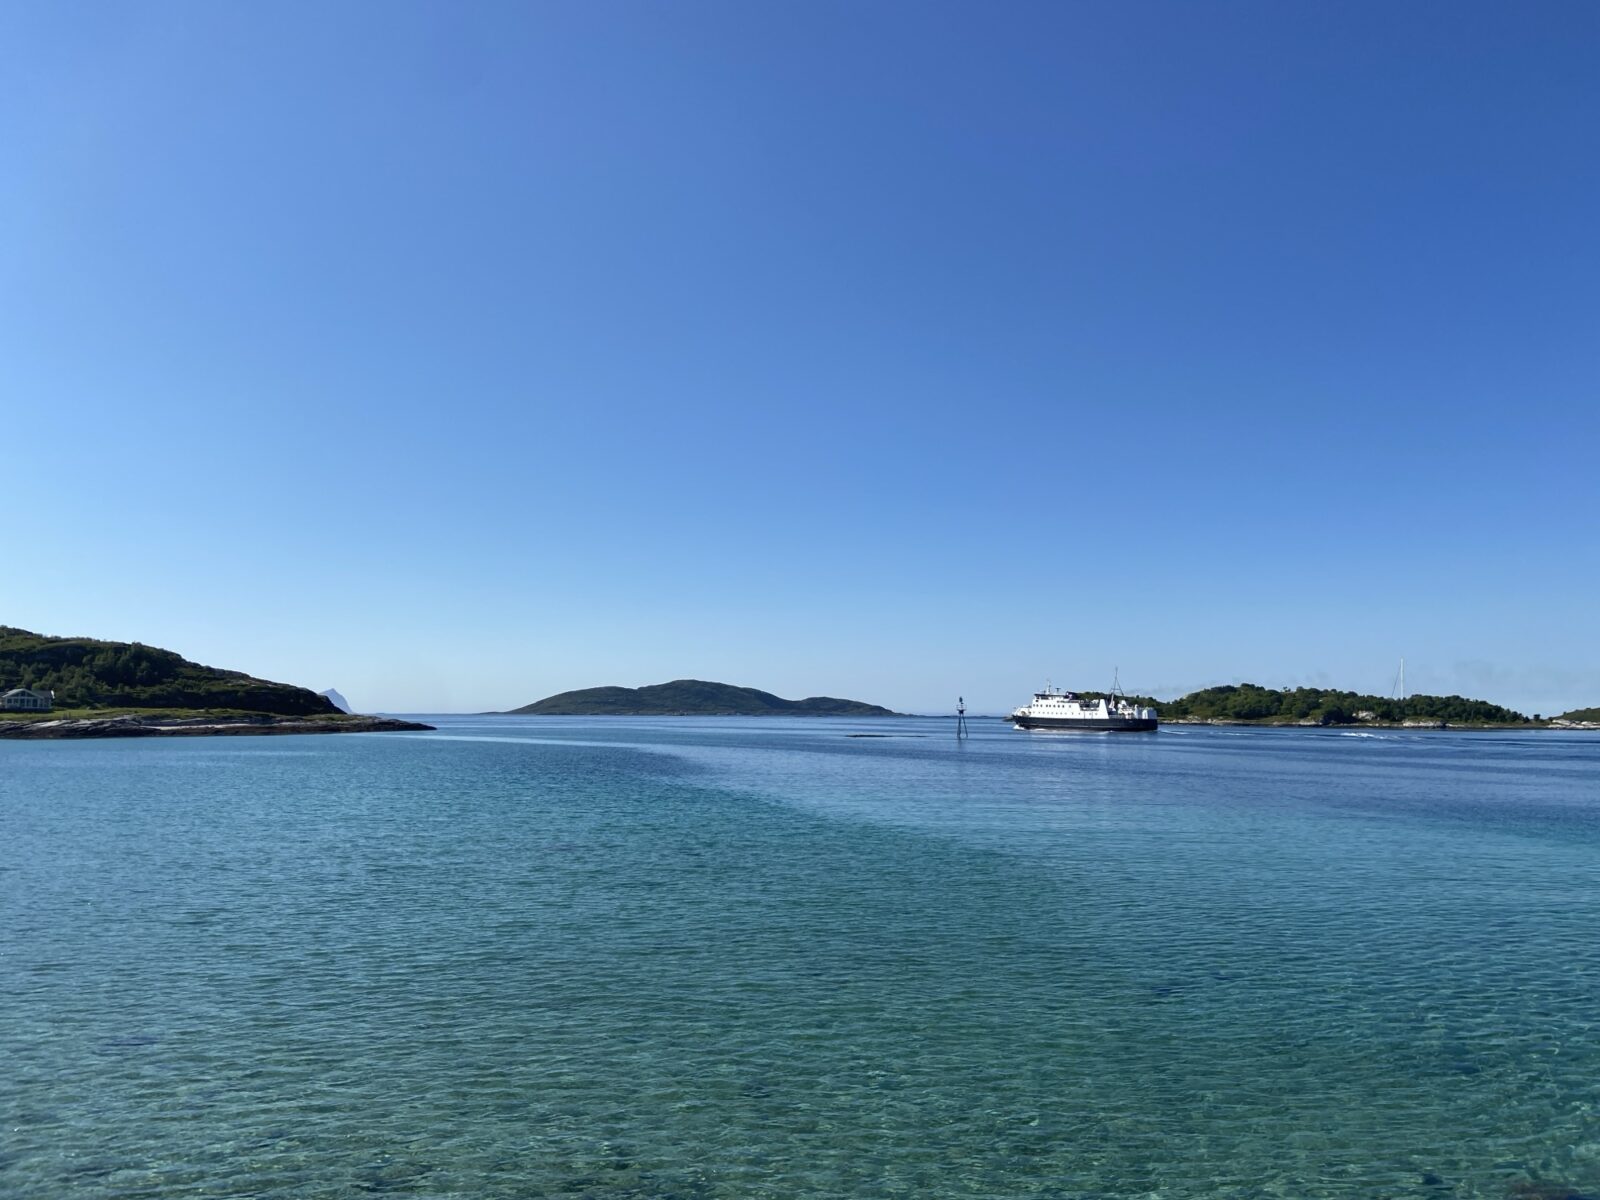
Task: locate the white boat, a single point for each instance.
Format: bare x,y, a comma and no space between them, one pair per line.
1056,709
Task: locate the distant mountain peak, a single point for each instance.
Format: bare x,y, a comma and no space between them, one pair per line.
337,700
693,697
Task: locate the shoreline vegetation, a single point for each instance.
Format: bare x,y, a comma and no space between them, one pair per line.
1251,704
1486,726
128,689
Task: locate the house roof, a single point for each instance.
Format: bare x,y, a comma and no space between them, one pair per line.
22,692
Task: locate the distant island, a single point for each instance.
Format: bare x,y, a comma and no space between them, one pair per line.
96,688
692,698
336,699
1251,704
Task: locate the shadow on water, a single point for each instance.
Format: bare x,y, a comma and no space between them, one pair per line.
1530,1189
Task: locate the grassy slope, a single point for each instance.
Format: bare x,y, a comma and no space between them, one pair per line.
88,674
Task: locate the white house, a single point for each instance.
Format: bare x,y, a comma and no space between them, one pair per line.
27,700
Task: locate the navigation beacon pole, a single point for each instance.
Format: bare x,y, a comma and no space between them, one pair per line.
961,718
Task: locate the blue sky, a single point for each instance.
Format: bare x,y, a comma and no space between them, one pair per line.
454,355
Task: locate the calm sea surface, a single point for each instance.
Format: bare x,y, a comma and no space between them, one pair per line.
760,958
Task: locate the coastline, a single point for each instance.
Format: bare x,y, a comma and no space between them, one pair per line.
1416,725
202,726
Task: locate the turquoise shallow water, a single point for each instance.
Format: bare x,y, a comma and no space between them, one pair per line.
723,958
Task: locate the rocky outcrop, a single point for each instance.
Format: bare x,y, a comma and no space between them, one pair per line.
151,726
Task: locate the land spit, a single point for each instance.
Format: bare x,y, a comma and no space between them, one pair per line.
153,726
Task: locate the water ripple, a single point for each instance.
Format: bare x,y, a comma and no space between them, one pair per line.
729,959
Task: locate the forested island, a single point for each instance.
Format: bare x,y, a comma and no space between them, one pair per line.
1251,704
127,689
692,698
1586,718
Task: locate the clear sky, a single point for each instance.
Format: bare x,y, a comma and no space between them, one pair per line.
454,355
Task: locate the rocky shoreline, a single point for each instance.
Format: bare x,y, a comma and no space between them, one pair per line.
149,726
1414,723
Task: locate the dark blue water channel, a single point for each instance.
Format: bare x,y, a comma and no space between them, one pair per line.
616,958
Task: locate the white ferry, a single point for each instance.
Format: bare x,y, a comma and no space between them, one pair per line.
1056,709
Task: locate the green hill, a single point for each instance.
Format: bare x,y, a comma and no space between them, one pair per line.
1273,706
86,673
1581,714
693,697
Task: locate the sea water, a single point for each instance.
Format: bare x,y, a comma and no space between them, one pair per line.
619,958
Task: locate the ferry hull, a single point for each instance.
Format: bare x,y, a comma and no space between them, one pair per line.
1104,724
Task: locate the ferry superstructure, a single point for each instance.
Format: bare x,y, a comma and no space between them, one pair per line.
1057,709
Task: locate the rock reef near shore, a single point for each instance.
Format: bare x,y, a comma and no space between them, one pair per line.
153,726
